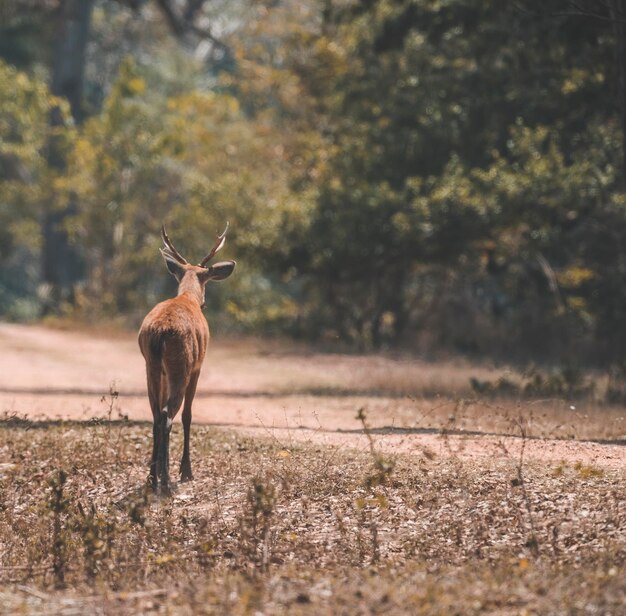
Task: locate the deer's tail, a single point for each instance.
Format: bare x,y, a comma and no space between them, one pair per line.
156,348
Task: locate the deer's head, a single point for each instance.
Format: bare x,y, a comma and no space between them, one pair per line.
193,278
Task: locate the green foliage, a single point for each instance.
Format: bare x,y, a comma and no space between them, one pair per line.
556,247
192,160
25,31
456,196
24,179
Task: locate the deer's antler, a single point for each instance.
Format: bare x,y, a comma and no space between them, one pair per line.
169,249
221,239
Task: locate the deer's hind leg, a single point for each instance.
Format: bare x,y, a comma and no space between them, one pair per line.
190,392
155,388
176,391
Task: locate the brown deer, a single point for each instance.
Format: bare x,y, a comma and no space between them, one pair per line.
173,339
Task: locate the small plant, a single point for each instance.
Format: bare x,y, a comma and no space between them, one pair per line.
587,472
566,382
382,467
135,505
96,534
381,471
255,524
58,506
519,481
15,420
110,400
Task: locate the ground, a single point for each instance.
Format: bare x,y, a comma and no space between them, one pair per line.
292,394
323,483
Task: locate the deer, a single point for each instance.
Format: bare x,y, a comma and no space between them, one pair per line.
173,340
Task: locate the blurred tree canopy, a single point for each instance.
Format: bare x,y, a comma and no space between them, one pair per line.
433,174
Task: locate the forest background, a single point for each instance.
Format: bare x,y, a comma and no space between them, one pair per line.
433,175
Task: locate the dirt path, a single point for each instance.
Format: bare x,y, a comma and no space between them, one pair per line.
297,395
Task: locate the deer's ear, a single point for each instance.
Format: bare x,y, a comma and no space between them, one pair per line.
219,271
175,268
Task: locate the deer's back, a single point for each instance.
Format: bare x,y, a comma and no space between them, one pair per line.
175,334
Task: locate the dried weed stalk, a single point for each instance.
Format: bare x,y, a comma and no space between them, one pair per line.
374,498
58,506
256,524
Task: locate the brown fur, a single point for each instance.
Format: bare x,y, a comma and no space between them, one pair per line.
173,339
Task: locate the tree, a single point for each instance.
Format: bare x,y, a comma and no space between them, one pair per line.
24,107
61,267
432,92
60,260
610,14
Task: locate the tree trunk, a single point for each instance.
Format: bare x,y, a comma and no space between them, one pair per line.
60,261
619,27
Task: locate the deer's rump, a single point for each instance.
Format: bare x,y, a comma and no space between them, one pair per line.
174,338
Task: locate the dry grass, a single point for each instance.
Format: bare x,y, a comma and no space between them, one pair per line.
284,368
304,530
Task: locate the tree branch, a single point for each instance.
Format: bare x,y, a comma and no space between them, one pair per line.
182,24
173,21
576,10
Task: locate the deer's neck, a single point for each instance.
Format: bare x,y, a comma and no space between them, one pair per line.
190,285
